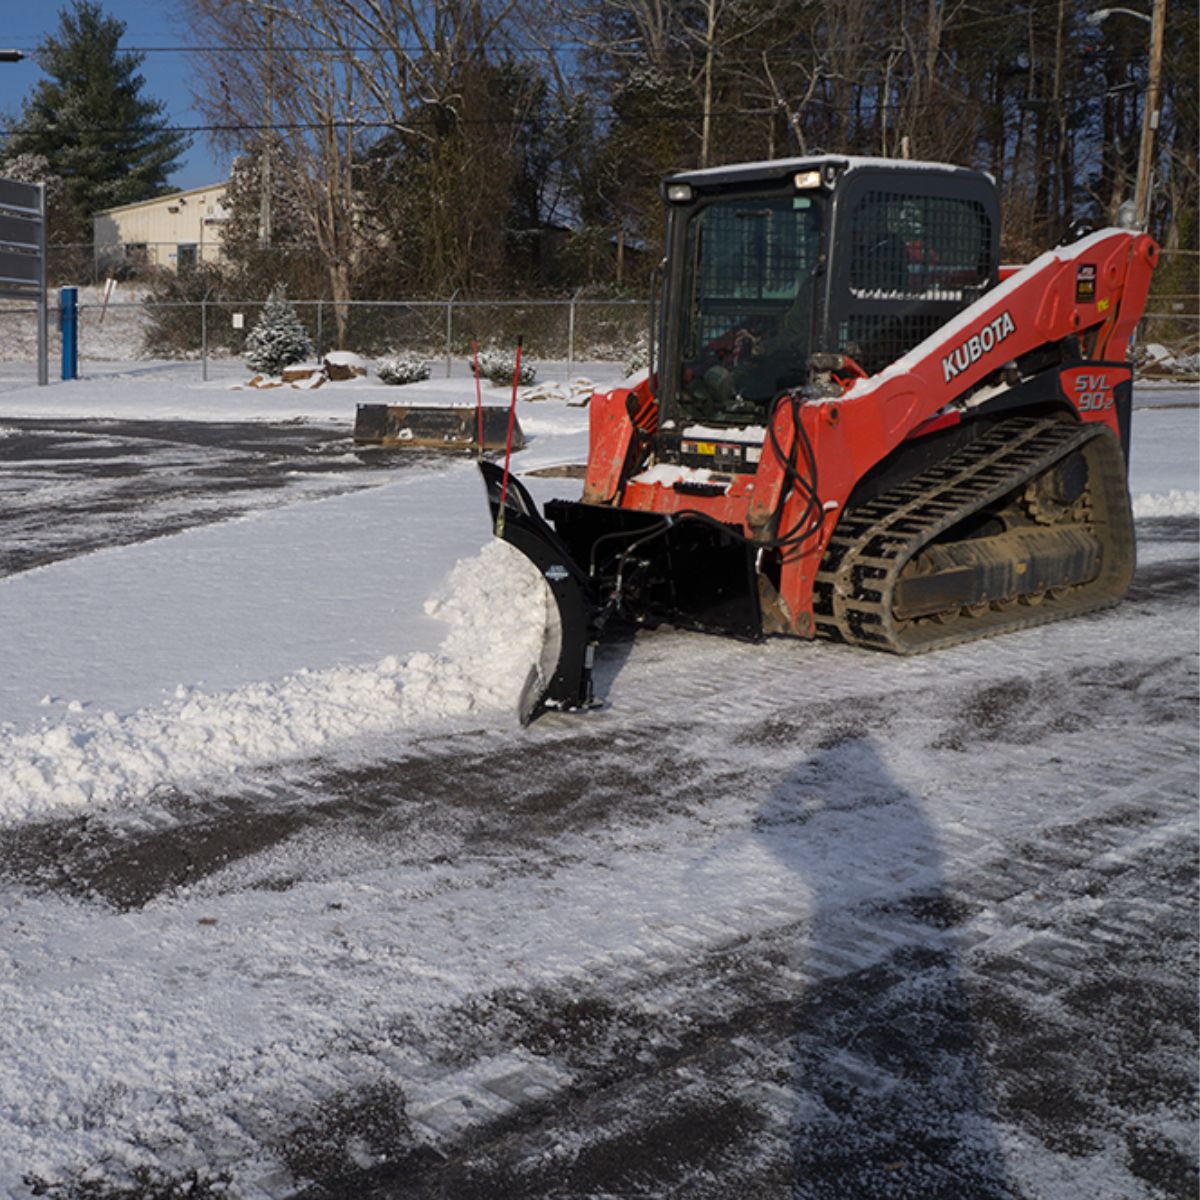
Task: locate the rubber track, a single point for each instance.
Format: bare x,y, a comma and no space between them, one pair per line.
872,543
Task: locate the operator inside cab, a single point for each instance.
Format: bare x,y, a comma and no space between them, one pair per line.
752,267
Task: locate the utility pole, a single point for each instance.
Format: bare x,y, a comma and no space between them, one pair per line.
264,203
1141,197
710,36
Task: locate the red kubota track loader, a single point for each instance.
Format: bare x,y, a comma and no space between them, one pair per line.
858,425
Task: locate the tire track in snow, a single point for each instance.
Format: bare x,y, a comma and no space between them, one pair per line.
979,871
950,970
587,770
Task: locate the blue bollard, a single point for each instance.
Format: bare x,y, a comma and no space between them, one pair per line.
68,323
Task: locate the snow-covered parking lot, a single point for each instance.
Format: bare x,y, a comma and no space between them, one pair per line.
291,907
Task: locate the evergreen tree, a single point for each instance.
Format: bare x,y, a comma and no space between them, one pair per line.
278,339
290,257
89,118
241,237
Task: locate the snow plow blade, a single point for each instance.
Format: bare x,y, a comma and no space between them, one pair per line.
428,427
562,678
641,569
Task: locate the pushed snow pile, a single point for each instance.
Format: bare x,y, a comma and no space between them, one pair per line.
1175,503
1157,361
496,607
494,603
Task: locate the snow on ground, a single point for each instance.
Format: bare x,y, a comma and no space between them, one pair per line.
434,941
276,634
267,636
101,745
1163,474
438,944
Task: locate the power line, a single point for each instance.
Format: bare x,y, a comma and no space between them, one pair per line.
250,127
870,102
681,39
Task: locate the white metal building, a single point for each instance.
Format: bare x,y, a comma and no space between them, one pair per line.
176,231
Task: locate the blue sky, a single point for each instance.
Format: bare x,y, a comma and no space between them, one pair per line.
168,75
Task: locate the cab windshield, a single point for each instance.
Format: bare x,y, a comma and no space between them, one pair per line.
748,288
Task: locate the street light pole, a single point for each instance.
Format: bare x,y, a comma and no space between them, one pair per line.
11,55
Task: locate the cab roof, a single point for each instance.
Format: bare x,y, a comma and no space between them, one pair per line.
778,168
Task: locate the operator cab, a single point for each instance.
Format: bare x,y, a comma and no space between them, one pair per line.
770,263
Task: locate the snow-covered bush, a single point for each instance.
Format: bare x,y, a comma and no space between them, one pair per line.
278,339
402,368
637,356
497,366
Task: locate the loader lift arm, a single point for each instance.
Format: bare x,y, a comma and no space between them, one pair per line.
1034,308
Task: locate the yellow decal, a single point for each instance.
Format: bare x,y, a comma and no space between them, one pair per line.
706,447
1101,305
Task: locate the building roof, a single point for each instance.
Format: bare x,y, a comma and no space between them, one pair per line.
167,197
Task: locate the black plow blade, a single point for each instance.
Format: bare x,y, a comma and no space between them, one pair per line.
562,678
434,427
604,563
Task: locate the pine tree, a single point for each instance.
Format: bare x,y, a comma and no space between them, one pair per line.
241,236
90,119
278,339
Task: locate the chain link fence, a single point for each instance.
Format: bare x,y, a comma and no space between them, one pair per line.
1172,322
564,331
567,331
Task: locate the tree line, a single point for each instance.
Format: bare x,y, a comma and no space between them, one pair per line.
418,147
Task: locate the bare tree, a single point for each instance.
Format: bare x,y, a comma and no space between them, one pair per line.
288,87
437,77
425,139
426,100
